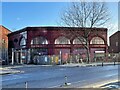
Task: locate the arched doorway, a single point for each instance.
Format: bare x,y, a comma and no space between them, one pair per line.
39,54
63,51
97,53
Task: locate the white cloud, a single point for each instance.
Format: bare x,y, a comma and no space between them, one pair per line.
18,18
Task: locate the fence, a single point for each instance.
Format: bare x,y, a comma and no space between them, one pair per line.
57,59
114,57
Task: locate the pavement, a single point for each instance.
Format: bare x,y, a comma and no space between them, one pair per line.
11,69
4,71
90,64
99,84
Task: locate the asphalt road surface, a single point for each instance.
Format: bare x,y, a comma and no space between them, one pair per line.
54,76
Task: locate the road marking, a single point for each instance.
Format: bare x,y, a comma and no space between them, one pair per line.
55,86
13,77
97,85
110,75
62,69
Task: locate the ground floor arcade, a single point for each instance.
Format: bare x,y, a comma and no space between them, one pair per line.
56,55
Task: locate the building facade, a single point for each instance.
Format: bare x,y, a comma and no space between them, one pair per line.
114,48
114,42
55,45
4,42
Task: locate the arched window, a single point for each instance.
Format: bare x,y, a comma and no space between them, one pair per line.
62,40
97,40
79,40
39,40
23,42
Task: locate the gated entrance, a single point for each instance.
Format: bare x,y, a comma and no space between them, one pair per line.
20,56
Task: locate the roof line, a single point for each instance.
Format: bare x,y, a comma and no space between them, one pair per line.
115,33
5,28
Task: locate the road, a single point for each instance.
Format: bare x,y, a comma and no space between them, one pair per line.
54,76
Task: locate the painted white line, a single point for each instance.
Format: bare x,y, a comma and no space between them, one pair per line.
62,69
110,75
13,77
55,86
78,81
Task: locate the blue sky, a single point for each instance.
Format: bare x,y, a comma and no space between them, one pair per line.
17,15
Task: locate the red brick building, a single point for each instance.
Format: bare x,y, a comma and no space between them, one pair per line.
4,42
55,45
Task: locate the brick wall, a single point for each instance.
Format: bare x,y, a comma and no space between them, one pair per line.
51,34
4,42
115,43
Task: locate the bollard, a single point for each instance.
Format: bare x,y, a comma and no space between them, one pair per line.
26,86
65,80
102,64
114,62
